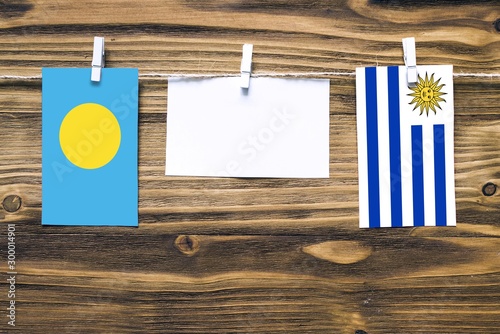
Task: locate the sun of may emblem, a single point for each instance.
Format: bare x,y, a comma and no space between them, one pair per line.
427,94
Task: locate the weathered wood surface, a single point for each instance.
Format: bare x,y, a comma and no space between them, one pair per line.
252,255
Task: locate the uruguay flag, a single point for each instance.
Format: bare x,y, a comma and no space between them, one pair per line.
405,147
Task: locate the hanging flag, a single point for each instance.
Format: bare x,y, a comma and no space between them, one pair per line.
405,147
89,147
278,128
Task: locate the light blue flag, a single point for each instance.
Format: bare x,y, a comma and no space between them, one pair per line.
405,147
89,147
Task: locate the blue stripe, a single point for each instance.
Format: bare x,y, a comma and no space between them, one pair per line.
372,147
418,175
395,147
439,175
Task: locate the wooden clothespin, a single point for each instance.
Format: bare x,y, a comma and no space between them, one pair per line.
246,65
410,58
97,59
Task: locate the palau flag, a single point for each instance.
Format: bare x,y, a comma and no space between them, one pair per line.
89,147
405,147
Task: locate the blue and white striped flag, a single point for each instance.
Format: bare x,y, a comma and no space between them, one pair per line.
405,147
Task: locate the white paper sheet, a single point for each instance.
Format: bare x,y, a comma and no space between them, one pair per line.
276,128
405,147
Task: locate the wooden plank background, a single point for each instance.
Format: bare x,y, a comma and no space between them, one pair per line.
252,255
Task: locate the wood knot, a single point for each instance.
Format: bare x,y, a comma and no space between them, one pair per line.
342,252
360,331
187,244
12,203
496,24
489,189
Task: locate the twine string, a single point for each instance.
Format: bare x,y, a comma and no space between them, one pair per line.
254,75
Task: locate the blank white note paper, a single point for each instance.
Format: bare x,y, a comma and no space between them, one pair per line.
276,128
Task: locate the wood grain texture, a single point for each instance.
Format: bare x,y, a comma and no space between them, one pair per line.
252,255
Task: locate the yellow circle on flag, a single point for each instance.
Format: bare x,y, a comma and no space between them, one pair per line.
90,136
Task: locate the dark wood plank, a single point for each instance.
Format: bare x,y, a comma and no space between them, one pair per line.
372,281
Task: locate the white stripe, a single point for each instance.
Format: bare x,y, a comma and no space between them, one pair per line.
406,158
429,189
383,147
362,148
451,213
